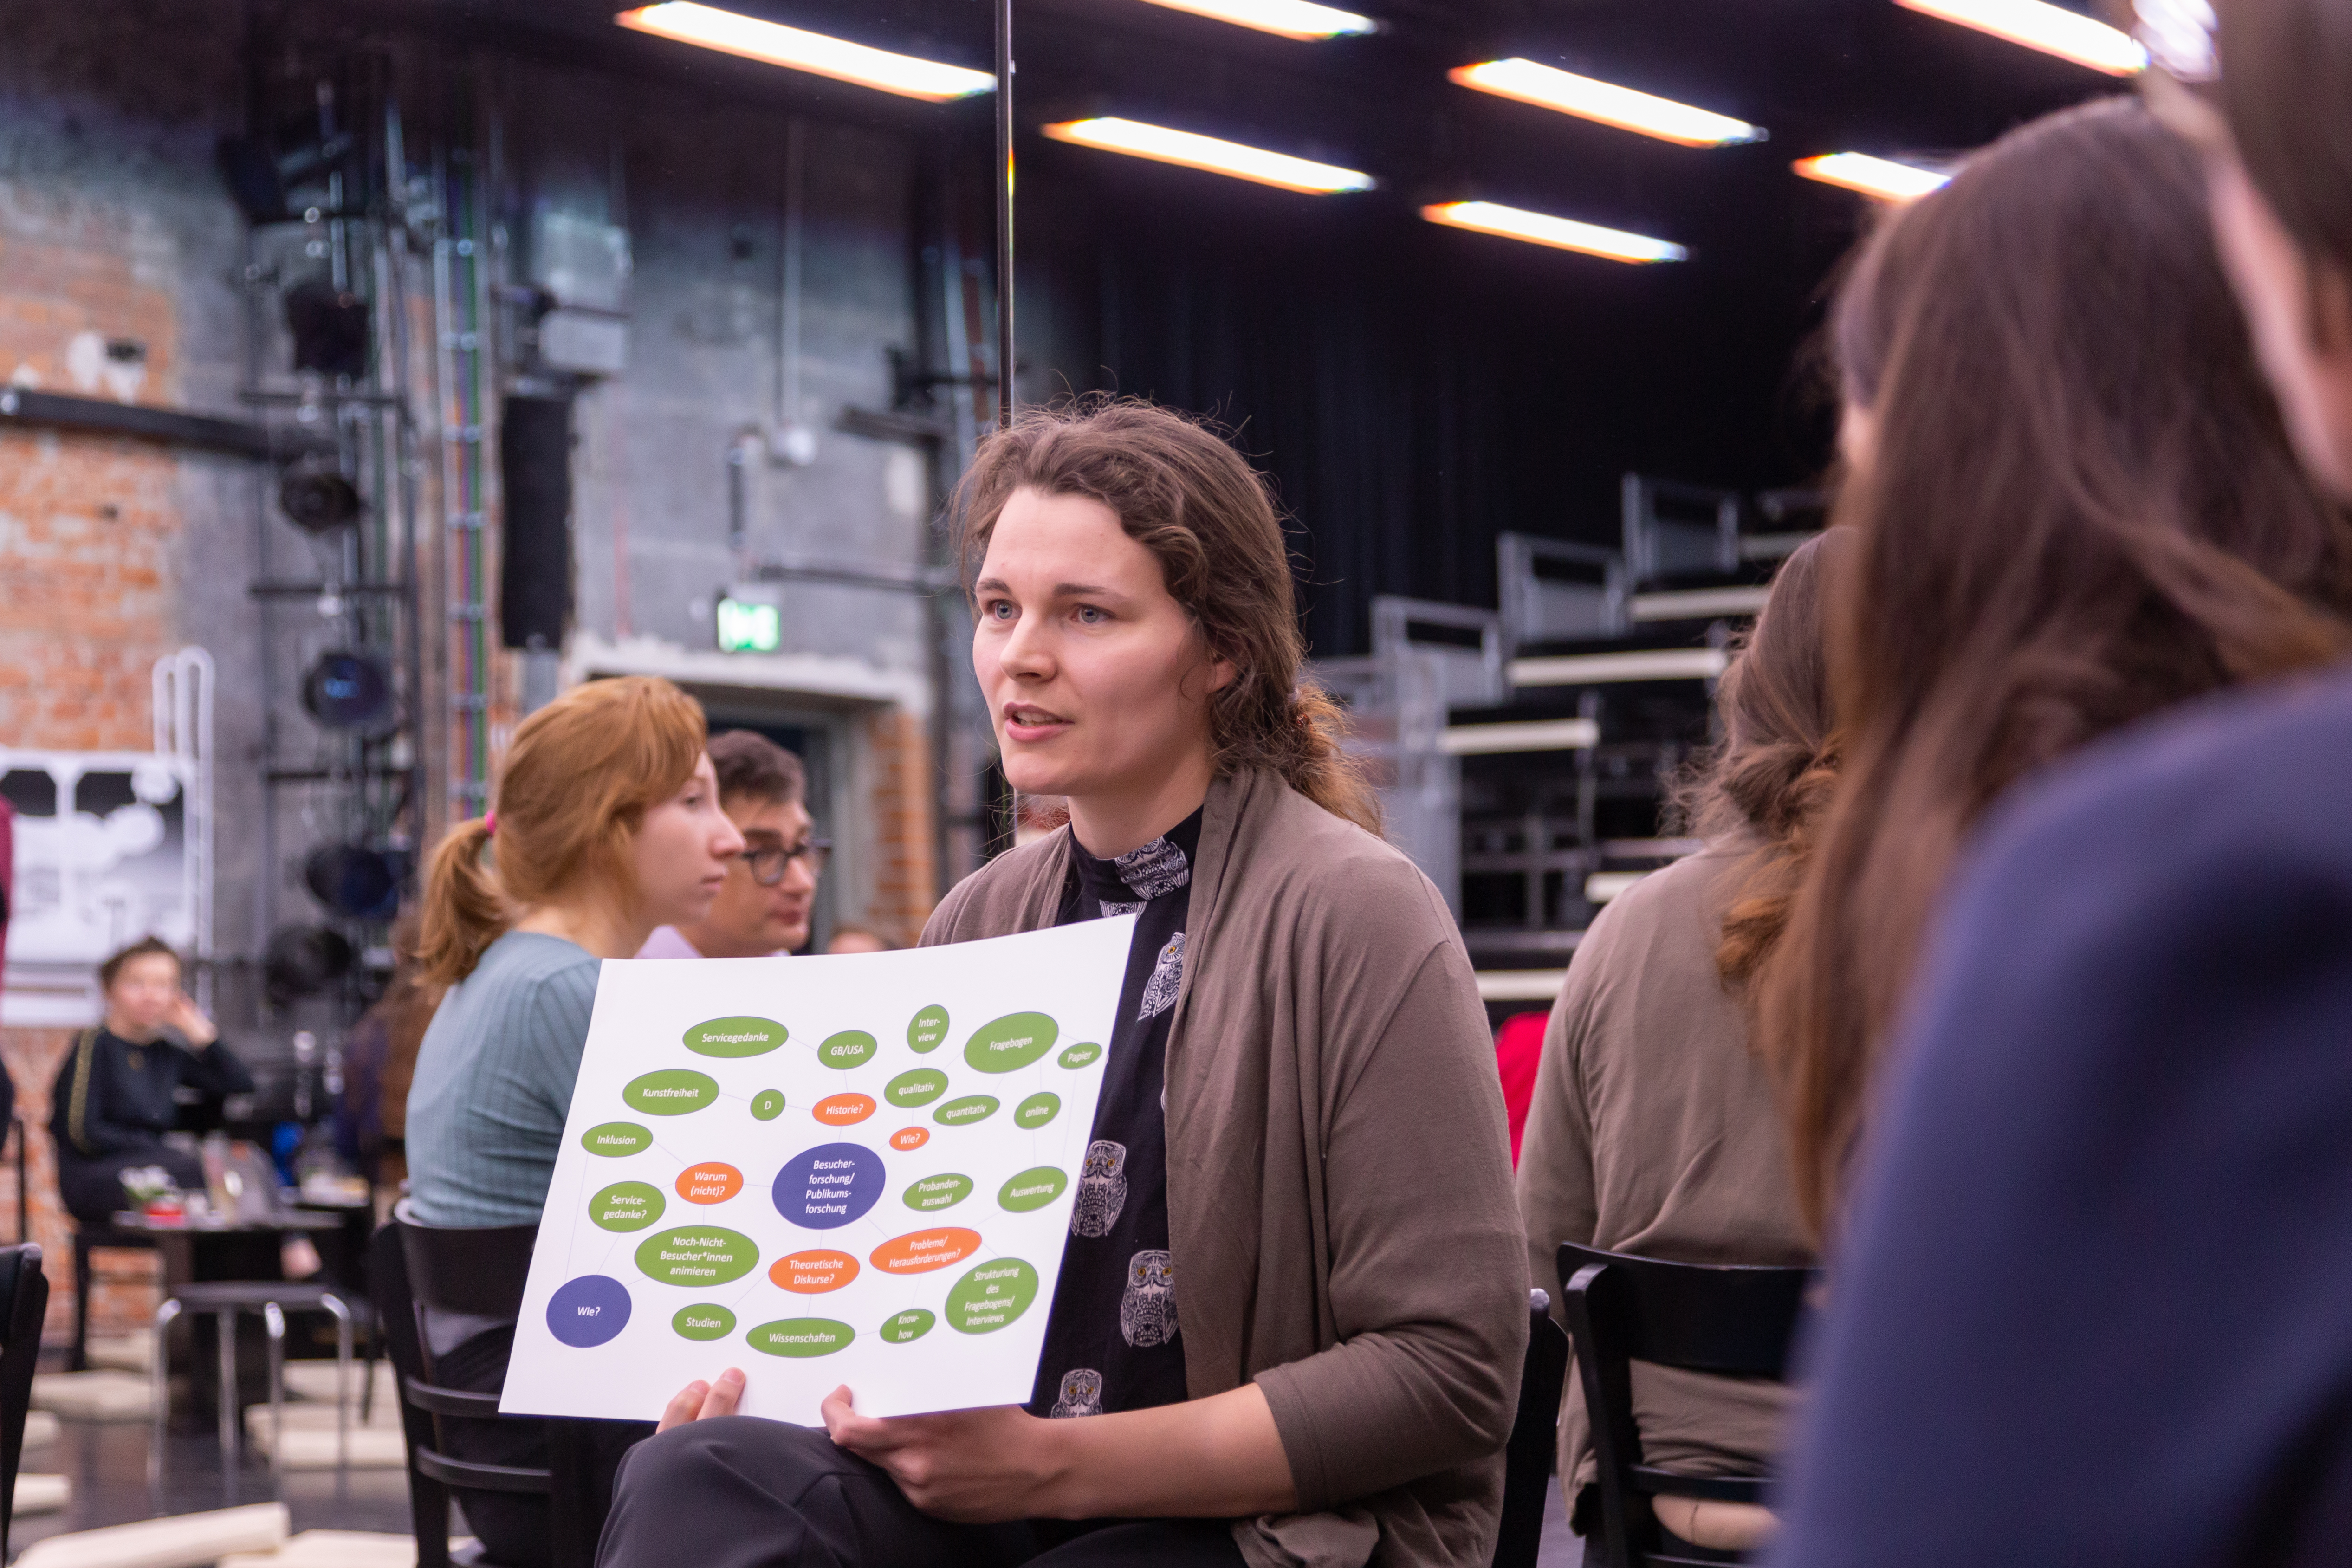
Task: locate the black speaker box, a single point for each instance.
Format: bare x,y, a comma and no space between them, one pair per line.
535,575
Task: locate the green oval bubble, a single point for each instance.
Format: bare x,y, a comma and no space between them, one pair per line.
1032,1189
1011,1042
673,1091
941,1192
928,1030
628,1206
767,1105
617,1140
920,1087
697,1256
743,1037
802,1338
1037,1110
971,1108
709,1321
990,1296
905,1327
849,1048
1083,1053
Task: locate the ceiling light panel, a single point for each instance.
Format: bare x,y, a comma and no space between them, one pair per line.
1611,105
1880,177
777,45
1290,18
2052,29
1560,233
1243,162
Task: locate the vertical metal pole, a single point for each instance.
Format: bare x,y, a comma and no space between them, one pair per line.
1005,214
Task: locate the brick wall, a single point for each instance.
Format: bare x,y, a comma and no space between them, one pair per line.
91,531
899,763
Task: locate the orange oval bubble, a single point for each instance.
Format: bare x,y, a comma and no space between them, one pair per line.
925,1250
910,1137
814,1273
710,1183
841,1110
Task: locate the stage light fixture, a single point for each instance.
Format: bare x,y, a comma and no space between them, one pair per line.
1882,178
302,961
317,498
1291,18
1161,144
2052,29
354,881
1621,107
774,44
347,690
1559,233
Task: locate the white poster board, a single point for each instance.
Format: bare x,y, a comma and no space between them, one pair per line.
824,1171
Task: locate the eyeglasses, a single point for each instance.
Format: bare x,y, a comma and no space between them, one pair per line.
768,864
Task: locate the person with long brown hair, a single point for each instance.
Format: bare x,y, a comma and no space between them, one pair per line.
1292,1308
2076,507
2090,1304
1654,1128
606,823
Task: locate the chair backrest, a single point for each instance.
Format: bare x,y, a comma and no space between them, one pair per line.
1736,1320
478,1271
24,1303
1535,1439
474,1271
1728,1319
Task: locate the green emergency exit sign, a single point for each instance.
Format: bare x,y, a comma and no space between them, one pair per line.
745,625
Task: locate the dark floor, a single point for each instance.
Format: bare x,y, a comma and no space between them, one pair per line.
108,1462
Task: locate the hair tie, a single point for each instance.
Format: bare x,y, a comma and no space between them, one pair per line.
490,824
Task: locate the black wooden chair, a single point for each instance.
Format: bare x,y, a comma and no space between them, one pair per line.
1534,1438
480,1274
1733,1321
24,1303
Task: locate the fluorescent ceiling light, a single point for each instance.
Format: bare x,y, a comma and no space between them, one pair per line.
1157,142
1612,105
1291,18
1561,233
2052,29
1880,177
778,44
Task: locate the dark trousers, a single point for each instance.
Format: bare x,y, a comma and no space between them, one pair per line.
91,1185
740,1492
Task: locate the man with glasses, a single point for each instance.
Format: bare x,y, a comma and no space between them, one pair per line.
763,909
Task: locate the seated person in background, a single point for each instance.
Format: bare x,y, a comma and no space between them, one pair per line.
1518,1047
608,824
115,1096
763,907
2075,507
1654,1129
847,937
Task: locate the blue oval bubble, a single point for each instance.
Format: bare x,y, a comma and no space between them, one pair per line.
588,1310
828,1186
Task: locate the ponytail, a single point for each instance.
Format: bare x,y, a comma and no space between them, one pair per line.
1311,760
463,910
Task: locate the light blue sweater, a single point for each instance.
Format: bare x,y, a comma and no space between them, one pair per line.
494,1080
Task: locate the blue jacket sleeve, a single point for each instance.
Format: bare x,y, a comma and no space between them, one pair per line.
2093,1307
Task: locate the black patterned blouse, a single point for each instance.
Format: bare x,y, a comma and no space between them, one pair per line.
1111,1343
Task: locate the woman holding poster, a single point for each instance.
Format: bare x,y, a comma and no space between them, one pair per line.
1291,1311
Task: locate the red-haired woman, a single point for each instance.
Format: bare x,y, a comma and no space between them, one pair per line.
1292,1306
607,825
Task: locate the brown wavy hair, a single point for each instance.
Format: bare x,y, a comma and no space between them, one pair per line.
578,778
2079,508
1183,494
1770,779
